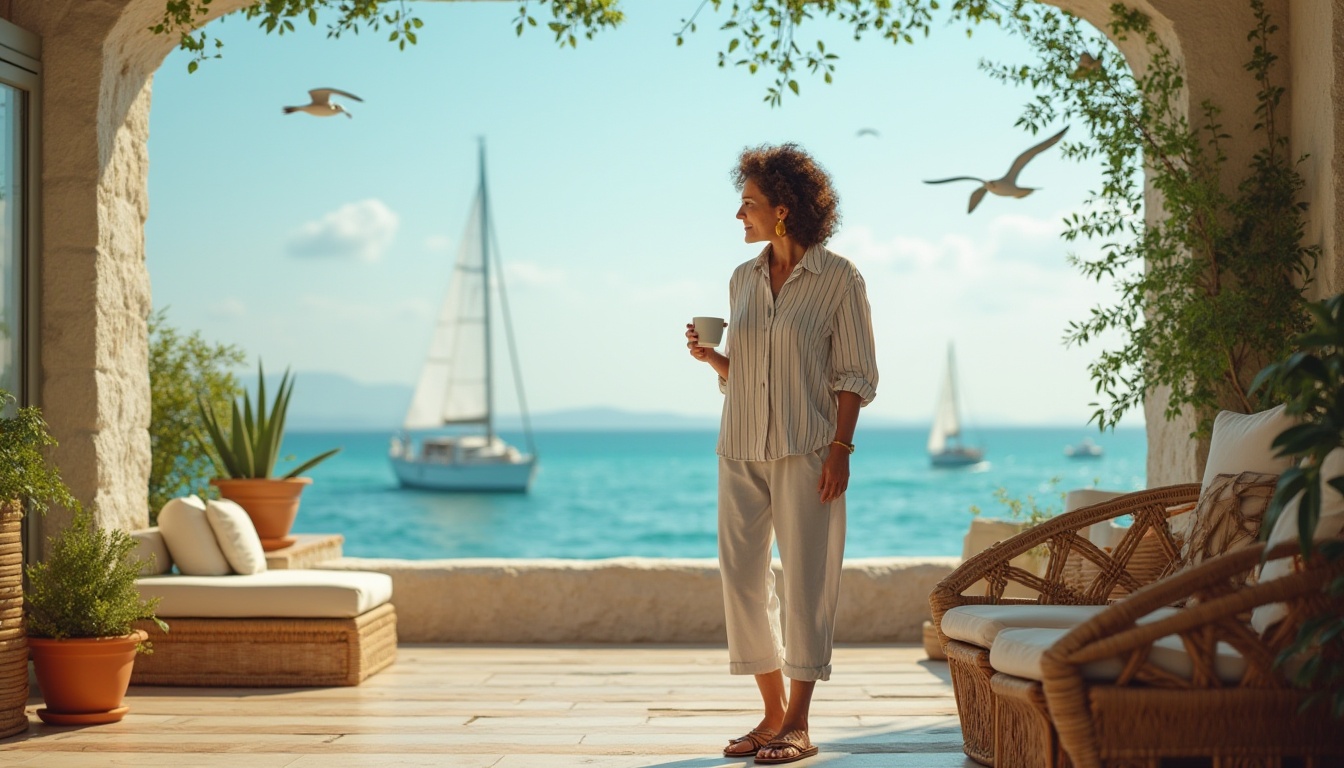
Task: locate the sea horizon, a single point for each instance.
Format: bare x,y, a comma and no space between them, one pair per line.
652,493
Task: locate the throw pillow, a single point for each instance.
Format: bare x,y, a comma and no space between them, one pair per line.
190,539
1285,529
236,535
1227,516
1242,443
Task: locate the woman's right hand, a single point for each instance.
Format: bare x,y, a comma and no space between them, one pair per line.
692,343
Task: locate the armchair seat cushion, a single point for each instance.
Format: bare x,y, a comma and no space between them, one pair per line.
980,624
290,594
1018,652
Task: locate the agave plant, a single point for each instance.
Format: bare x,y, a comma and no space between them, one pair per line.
251,445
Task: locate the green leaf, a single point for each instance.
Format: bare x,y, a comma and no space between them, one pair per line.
307,465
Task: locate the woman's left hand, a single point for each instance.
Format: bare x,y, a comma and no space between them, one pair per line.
834,475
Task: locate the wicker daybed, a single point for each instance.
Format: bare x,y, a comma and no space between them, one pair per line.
290,628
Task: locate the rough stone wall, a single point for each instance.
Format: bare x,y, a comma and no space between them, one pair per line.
628,599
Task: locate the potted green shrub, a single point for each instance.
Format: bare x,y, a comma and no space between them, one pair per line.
247,450
27,482
82,604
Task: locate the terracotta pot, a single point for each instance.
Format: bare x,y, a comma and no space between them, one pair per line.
84,680
272,505
13,642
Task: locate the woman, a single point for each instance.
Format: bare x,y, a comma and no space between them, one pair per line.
799,363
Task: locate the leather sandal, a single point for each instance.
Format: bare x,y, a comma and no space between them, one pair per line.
757,737
795,739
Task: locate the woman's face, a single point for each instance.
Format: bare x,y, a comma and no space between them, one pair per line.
757,215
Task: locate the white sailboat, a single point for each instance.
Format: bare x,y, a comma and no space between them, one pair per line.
455,392
945,448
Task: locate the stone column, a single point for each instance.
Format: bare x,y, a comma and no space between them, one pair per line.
95,289
1317,60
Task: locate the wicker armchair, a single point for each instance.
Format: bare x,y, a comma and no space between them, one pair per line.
1245,714
1065,538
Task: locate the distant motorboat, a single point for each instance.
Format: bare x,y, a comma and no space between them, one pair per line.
1084,450
945,447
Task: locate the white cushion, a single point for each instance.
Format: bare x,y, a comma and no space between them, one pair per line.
236,536
152,551
1018,652
1242,443
981,624
190,539
1285,529
292,594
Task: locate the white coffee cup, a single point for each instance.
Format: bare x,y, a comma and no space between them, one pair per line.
709,329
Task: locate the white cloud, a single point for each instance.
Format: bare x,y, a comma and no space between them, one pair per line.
361,230
228,309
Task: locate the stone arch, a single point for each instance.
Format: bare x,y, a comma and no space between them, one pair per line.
99,60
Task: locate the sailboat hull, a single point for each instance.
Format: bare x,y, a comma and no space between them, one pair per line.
957,457
495,477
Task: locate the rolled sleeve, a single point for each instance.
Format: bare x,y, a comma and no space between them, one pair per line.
853,353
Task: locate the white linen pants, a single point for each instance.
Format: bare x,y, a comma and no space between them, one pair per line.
764,500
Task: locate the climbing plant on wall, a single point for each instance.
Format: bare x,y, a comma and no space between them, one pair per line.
1212,290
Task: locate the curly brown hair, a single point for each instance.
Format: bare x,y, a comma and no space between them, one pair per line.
788,176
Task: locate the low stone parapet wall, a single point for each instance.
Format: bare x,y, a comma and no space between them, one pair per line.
627,599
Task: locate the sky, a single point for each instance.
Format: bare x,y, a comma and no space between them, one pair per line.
326,244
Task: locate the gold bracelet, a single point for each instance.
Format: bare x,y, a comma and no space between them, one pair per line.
847,446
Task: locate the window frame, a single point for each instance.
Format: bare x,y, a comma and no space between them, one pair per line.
21,68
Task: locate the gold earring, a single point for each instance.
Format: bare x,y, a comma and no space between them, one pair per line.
780,229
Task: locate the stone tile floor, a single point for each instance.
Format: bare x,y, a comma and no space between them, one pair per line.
522,707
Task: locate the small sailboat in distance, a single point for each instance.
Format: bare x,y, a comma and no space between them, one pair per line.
456,386
945,447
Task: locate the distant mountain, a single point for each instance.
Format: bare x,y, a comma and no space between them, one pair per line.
609,419
330,402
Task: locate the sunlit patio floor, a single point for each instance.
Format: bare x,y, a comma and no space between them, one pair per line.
519,707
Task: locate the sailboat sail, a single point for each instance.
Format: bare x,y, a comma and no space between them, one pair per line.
453,385
946,423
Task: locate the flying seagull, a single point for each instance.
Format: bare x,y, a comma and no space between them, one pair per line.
869,132
1007,186
321,105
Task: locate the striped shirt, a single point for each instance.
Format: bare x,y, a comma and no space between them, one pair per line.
789,355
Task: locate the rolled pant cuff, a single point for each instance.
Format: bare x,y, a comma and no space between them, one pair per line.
754,667
807,673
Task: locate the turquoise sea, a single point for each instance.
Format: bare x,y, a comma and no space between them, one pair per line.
652,494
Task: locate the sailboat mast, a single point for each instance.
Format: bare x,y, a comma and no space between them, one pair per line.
952,389
485,277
